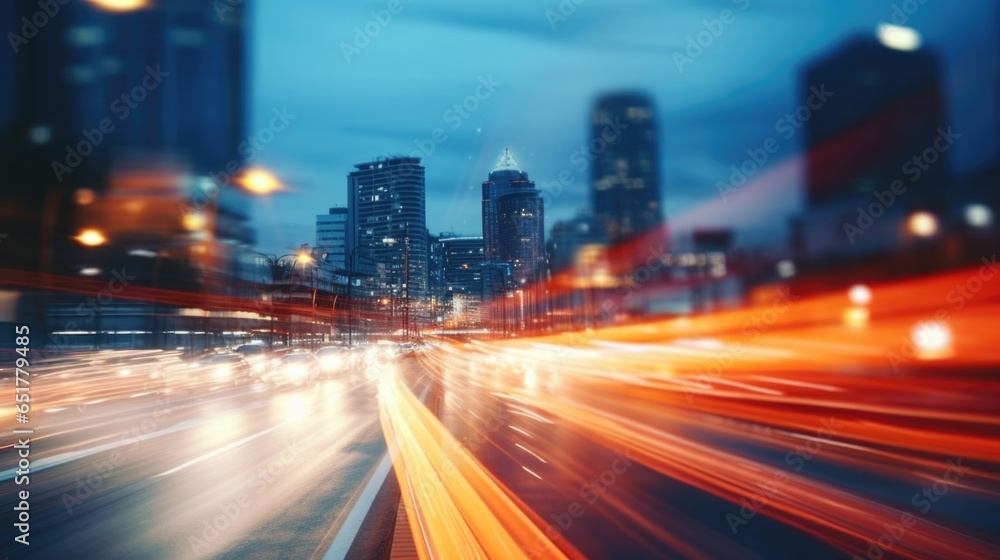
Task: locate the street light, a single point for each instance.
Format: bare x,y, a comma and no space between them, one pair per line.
120,5
922,224
260,181
273,263
91,237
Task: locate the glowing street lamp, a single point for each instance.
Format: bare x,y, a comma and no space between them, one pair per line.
922,224
260,181
91,237
120,5
898,37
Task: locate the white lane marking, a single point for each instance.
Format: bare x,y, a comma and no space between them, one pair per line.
222,449
802,384
63,458
348,531
533,454
352,525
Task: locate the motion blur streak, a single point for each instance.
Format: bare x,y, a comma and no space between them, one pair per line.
717,405
457,509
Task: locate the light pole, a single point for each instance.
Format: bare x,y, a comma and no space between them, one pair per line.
350,296
274,264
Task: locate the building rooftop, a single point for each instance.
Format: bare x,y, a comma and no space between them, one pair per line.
506,162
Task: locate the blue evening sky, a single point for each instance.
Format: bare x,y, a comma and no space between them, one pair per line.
431,55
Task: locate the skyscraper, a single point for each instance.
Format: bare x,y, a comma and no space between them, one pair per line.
387,222
513,220
331,237
463,265
884,107
120,113
875,125
135,103
567,238
625,195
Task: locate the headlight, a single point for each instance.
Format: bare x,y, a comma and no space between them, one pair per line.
295,372
259,367
124,372
223,372
331,362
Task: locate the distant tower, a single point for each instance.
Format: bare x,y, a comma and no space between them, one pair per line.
463,266
513,220
387,222
885,107
331,236
625,195
875,114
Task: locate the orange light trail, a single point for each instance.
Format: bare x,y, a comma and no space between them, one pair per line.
673,391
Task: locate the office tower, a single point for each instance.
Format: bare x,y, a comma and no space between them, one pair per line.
569,236
331,237
118,115
513,220
872,118
506,177
139,107
871,109
435,268
387,223
624,145
463,265
522,239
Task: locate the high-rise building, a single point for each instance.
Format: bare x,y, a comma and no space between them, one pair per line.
387,223
463,265
569,236
625,195
522,238
513,220
331,237
139,106
873,108
875,125
119,117
435,268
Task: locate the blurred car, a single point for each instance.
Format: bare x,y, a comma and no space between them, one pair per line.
256,354
226,369
296,368
332,359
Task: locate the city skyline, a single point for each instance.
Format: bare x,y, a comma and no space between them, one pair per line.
708,131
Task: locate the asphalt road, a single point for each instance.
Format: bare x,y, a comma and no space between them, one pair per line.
245,472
